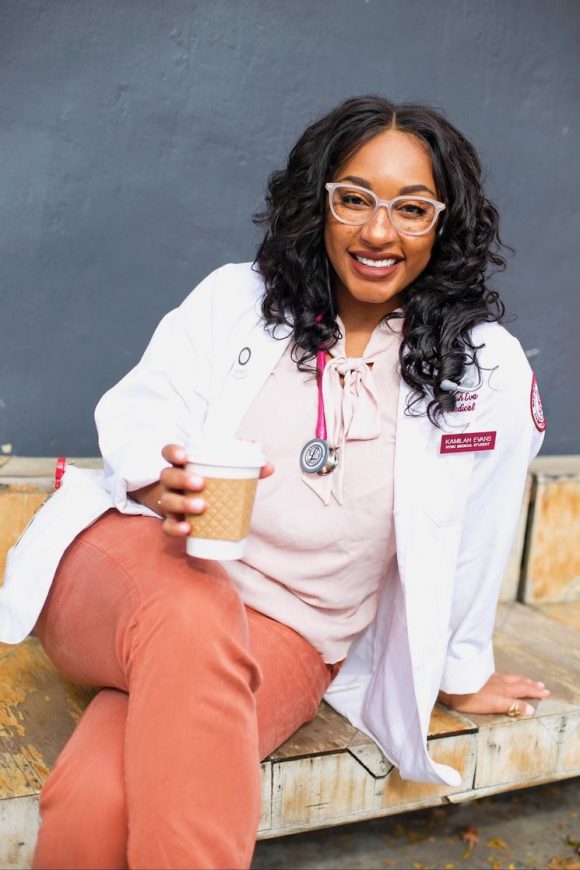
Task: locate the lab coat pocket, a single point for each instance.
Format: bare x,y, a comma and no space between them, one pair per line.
447,488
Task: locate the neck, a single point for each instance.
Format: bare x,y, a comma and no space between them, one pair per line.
360,320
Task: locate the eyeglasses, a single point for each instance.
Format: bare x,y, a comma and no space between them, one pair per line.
410,215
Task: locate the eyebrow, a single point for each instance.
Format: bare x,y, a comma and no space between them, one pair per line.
410,188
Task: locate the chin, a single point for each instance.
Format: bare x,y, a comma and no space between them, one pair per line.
374,295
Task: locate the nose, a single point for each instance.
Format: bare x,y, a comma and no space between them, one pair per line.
378,229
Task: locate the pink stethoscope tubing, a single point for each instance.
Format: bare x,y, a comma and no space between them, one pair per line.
317,456
321,419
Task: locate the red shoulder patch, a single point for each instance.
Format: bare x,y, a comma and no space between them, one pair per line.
536,408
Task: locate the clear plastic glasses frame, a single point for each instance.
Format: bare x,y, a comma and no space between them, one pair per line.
331,187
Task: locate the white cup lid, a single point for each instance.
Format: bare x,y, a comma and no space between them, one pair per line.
227,453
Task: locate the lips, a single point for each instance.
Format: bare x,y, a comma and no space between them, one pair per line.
371,265
374,259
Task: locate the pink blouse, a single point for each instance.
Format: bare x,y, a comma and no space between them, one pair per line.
319,546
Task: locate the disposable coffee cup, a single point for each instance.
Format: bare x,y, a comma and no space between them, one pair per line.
231,470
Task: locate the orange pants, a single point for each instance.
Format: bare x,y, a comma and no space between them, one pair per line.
163,769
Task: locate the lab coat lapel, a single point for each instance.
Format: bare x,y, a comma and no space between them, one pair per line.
252,353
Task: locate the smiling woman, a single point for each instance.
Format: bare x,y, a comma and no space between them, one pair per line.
439,273
376,549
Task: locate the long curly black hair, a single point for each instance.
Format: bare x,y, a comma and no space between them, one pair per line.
448,298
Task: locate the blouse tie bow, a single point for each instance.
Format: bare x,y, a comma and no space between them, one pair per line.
352,414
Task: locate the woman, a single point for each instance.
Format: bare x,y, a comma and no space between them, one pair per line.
372,271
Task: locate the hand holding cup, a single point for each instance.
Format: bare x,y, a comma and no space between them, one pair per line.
182,491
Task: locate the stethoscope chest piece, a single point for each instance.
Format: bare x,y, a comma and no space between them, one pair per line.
318,457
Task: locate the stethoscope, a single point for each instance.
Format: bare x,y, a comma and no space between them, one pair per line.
317,456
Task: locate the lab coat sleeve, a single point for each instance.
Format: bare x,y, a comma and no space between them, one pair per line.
163,400
493,507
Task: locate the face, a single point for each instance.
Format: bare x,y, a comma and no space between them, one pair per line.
389,164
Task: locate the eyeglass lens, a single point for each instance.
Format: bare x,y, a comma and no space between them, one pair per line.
408,215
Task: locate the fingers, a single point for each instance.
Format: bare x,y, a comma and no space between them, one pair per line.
500,704
181,497
180,492
518,707
267,470
487,702
175,453
180,479
175,526
181,503
517,686
500,693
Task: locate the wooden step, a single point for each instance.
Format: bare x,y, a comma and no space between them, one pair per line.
328,773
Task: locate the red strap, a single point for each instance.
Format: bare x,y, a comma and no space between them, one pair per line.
59,471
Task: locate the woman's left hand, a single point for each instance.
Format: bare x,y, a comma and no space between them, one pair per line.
501,693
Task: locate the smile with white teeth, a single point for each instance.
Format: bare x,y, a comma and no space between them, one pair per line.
378,264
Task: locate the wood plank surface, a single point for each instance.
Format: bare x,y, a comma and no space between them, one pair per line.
38,712
458,751
517,751
42,467
19,823
369,755
511,580
537,632
309,791
556,466
512,751
552,571
265,822
328,732
445,722
568,612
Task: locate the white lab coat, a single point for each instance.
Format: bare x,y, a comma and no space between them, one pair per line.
454,513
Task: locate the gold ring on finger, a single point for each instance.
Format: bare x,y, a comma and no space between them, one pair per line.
514,710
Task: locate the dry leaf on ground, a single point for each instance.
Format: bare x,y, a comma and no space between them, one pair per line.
469,835
557,862
498,843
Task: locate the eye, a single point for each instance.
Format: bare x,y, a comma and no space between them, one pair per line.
413,209
353,198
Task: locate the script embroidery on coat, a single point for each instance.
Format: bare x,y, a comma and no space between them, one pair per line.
465,402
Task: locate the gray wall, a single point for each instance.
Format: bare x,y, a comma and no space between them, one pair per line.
136,137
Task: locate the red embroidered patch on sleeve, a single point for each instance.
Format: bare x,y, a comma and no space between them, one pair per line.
536,407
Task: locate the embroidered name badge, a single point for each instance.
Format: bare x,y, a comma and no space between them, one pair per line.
536,407
469,442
